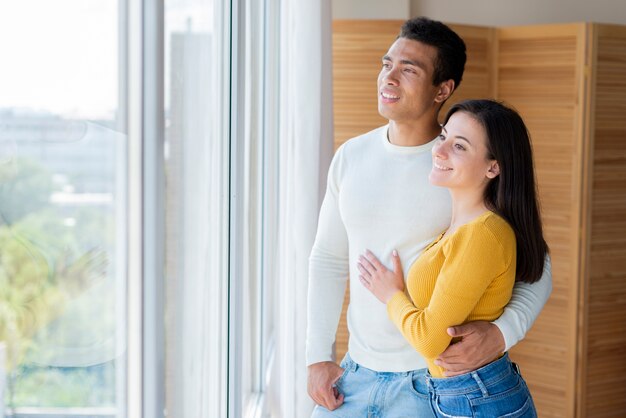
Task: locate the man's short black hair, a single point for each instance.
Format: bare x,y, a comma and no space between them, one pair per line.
451,55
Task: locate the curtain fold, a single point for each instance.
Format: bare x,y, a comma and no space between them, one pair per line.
306,147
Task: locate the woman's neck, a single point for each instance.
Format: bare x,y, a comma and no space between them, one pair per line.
466,206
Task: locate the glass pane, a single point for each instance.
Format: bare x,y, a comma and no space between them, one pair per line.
252,145
62,207
196,153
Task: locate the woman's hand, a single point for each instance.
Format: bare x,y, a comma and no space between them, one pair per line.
378,279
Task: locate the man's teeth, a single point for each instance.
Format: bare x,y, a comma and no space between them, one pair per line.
389,96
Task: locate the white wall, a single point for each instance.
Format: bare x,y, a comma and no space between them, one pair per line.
371,9
520,12
486,12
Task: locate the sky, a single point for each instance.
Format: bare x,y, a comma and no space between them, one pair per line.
60,56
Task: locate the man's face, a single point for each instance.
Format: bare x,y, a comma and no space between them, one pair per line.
405,83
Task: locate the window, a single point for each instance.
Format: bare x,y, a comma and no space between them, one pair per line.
197,140
63,213
138,207
259,235
220,123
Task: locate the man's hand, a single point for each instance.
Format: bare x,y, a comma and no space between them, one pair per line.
322,376
481,342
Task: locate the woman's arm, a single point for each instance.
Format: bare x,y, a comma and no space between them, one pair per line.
474,259
480,341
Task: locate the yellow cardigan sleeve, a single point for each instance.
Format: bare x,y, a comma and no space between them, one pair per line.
474,257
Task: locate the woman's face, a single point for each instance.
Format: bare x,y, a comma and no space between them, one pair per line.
460,159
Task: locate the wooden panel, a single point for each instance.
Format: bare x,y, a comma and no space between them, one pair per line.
357,50
479,80
605,376
540,73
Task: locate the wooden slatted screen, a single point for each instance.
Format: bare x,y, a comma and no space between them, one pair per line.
540,73
605,369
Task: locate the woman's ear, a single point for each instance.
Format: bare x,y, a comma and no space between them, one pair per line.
494,170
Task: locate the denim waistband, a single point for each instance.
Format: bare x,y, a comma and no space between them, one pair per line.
479,379
353,366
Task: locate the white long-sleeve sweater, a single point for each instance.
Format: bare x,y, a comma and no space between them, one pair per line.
379,198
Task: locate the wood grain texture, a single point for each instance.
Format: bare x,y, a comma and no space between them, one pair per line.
605,377
540,74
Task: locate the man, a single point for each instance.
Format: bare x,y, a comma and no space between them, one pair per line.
379,199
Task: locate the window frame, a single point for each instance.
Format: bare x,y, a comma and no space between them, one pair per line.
254,199
144,26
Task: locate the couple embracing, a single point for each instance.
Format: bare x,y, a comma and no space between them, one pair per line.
438,228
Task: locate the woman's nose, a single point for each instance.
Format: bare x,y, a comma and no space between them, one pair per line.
439,150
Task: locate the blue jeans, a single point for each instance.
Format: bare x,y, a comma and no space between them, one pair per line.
494,390
371,394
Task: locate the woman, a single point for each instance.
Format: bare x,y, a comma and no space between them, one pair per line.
483,156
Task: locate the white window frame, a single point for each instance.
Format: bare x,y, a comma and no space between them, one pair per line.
254,217
144,25
145,385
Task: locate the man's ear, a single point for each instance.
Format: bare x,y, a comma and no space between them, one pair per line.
494,170
445,90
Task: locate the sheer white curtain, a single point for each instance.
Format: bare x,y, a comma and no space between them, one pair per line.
306,146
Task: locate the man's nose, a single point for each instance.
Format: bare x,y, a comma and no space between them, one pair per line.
391,77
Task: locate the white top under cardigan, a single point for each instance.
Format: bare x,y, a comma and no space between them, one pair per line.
379,198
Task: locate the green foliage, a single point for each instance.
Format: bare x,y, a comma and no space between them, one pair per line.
41,270
25,188
46,266
66,387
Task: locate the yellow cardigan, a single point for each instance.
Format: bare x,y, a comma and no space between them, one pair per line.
466,276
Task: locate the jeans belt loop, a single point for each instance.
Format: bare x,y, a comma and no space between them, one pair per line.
480,384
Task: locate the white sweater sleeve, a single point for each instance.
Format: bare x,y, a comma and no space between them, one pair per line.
524,307
328,271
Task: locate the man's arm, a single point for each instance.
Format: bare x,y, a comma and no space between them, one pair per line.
328,273
482,341
525,306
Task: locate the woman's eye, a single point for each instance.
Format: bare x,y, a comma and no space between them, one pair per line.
459,147
441,137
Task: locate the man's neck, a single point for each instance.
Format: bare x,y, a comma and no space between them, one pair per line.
412,134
